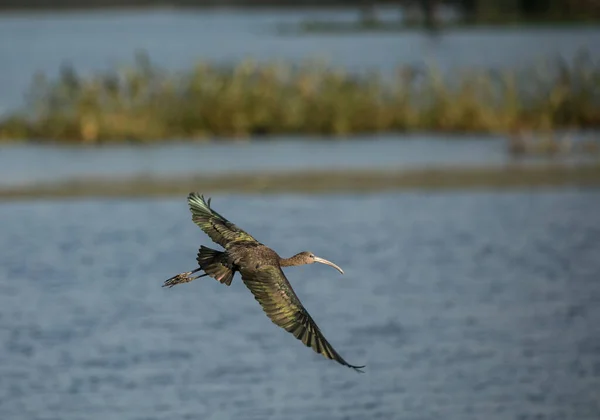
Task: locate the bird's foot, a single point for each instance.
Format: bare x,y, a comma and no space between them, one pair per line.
180,278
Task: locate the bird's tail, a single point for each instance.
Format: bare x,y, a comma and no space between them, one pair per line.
215,264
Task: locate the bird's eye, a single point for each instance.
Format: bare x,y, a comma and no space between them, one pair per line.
312,255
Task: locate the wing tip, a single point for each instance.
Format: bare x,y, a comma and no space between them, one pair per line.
196,200
196,197
330,353
357,368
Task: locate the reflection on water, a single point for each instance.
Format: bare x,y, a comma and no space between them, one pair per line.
462,306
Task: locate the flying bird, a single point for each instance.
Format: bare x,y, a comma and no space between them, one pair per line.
261,270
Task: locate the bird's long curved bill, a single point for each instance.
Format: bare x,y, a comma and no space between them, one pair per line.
324,261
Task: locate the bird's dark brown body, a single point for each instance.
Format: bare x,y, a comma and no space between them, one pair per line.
260,269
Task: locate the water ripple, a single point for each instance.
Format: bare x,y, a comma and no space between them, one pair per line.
462,306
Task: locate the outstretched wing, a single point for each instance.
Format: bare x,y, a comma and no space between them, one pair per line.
273,291
218,228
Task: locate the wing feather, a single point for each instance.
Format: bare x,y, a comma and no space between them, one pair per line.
273,291
217,227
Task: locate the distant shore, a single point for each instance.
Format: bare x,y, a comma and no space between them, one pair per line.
317,182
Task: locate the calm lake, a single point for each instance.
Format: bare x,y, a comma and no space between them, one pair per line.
26,165
29,164
462,306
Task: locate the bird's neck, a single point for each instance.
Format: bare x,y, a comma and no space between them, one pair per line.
292,261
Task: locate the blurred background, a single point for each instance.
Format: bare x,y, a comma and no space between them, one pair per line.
446,154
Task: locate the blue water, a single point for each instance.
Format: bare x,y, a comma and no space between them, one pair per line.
29,164
23,165
462,306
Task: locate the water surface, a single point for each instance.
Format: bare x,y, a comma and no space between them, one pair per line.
462,306
30,164
25,165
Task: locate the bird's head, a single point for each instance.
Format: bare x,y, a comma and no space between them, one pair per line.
308,257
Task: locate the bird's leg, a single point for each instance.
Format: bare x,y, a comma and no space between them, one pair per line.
182,278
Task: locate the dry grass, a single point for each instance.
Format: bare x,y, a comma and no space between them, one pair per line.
144,103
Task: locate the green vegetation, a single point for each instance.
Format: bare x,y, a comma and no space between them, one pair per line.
144,103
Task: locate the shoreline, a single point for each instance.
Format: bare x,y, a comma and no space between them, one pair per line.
509,176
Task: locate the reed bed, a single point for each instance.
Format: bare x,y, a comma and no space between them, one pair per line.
145,103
